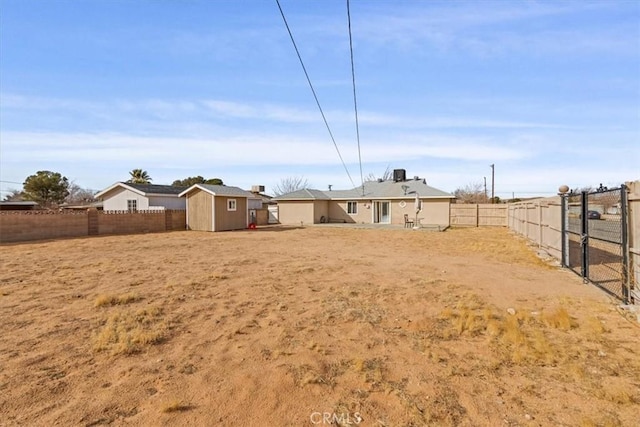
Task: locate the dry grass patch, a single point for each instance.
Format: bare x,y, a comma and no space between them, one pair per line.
110,300
128,332
559,319
175,406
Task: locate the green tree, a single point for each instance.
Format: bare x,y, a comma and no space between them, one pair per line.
139,176
46,187
188,182
214,181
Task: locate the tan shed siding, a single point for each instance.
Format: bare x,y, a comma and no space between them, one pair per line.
199,215
230,220
294,212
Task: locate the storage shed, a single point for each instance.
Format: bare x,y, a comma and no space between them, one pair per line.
216,207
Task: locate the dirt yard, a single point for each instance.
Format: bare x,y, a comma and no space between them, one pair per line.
315,326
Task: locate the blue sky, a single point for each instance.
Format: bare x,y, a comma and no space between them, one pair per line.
548,91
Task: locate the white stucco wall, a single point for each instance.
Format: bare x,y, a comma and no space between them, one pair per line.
116,200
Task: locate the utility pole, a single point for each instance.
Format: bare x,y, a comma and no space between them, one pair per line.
493,176
485,189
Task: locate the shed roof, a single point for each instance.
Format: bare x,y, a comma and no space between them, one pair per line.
219,190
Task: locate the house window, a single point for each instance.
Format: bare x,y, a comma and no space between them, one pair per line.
231,204
352,208
132,205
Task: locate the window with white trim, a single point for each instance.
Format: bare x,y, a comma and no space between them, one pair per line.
352,208
132,205
231,204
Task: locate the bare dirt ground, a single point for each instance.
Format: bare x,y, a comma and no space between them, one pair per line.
312,326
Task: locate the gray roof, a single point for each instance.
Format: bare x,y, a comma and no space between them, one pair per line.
18,203
373,190
156,189
145,189
219,190
304,194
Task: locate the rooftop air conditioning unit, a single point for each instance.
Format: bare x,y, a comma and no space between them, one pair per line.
257,188
399,175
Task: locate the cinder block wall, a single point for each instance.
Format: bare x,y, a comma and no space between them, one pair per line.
36,225
131,222
178,220
22,226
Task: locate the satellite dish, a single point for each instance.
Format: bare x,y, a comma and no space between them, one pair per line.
405,188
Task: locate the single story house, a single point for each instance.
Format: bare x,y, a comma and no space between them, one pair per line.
397,201
18,206
125,196
216,207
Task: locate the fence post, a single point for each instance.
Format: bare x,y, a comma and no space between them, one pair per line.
626,282
168,220
539,224
93,222
477,214
563,230
584,236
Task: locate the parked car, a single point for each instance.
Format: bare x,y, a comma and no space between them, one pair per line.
593,215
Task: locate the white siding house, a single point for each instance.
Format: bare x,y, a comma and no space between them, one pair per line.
123,196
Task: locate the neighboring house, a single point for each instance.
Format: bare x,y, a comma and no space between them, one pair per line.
216,207
124,196
96,205
260,200
18,206
377,202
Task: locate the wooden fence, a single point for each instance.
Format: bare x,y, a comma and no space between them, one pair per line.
478,215
540,221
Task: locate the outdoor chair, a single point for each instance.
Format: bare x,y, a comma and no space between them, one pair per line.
408,223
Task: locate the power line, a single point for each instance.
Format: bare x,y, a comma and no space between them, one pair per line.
314,92
355,102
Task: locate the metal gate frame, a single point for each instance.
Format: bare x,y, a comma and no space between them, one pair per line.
570,237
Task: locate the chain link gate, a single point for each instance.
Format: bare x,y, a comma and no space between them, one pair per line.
594,238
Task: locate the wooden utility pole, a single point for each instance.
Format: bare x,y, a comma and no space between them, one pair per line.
485,189
493,194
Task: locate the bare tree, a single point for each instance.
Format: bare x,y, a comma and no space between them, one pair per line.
471,193
79,195
290,184
14,196
386,176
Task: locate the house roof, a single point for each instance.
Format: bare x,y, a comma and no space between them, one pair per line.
17,205
304,194
219,190
145,189
265,198
373,190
